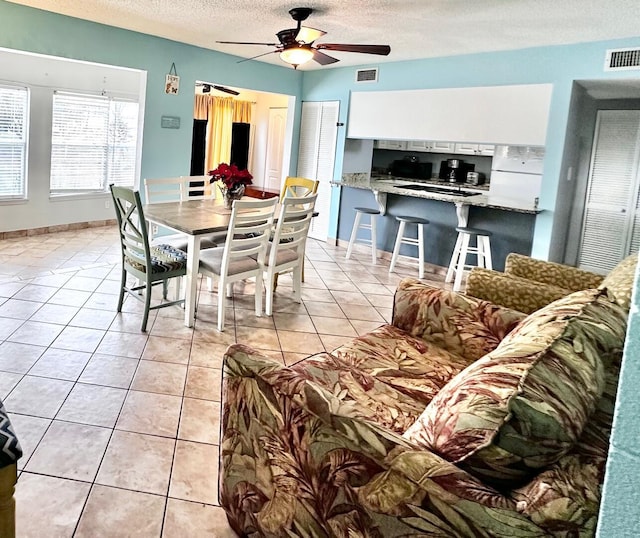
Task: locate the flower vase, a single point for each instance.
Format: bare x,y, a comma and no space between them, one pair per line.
229,195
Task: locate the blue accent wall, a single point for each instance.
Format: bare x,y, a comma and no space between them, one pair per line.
558,65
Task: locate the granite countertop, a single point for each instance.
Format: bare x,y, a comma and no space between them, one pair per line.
393,185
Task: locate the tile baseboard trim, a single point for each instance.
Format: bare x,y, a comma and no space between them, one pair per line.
383,254
57,228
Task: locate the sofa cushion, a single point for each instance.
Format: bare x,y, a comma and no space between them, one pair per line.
620,280
391,375
523,406
554,274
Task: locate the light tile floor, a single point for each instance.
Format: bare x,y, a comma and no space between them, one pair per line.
120,429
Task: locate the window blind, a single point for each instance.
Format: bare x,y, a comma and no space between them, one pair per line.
93,143
14,108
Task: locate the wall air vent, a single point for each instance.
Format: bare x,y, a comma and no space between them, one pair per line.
622,59
367,75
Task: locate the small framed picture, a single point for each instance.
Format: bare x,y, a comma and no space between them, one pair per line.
172,84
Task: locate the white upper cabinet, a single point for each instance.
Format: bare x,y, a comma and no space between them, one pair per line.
512,115
442,147
428,145
437,147
418,145
391,144
474,149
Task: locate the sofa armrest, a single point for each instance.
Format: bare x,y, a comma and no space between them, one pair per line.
511,291
458,323
295,457
555,274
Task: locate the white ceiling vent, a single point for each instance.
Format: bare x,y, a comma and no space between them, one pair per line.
622,59
367,75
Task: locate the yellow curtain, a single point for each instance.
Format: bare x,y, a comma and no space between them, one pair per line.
201,107
220,113
242,111
219,125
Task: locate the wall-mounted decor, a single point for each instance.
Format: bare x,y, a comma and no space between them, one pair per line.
172,83
170,122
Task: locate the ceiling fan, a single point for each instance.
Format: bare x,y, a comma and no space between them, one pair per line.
297,46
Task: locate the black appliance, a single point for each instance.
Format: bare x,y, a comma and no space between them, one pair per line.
410,169
455,170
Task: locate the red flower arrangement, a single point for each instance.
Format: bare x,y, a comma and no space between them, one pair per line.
230,176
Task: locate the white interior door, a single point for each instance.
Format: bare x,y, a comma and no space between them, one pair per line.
316,157
610,229
275,147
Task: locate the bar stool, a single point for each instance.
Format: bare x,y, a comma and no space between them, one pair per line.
482,251
372,226
401,238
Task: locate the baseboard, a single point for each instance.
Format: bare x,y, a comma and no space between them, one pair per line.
365,250
57,228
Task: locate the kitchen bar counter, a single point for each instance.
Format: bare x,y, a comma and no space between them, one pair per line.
511,223
382,185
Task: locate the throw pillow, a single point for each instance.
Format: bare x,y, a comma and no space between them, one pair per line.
523,406
620,280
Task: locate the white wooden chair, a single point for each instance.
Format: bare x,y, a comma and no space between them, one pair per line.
198,188
243,255
172,189
286,249
159,191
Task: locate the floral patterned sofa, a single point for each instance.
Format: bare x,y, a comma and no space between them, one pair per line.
459,419
528,284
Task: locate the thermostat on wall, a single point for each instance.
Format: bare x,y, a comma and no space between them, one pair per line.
170,122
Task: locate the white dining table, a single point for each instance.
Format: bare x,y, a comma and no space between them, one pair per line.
194,218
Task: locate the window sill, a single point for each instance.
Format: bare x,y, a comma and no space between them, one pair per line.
79,196
13,201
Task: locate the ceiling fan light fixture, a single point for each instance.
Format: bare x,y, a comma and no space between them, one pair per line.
309,35
296,55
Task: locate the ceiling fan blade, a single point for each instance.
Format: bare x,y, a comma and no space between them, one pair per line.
247,43
308,35
258,56
382,50
323,59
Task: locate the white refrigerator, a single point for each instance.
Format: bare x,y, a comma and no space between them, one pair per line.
516,173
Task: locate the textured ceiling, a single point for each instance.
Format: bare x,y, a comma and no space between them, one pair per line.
413,28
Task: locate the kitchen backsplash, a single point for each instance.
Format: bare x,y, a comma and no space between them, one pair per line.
382,159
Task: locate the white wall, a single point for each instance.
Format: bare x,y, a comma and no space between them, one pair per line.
42,75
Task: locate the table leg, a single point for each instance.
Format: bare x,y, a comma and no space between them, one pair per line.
191,291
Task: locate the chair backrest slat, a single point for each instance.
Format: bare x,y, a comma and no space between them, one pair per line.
198,188
298,186
162,190
249,229
293,225
132,227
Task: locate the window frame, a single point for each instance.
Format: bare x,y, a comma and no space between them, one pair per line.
24,144
108,146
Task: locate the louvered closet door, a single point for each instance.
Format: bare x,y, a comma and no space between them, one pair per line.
316,157
610,226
